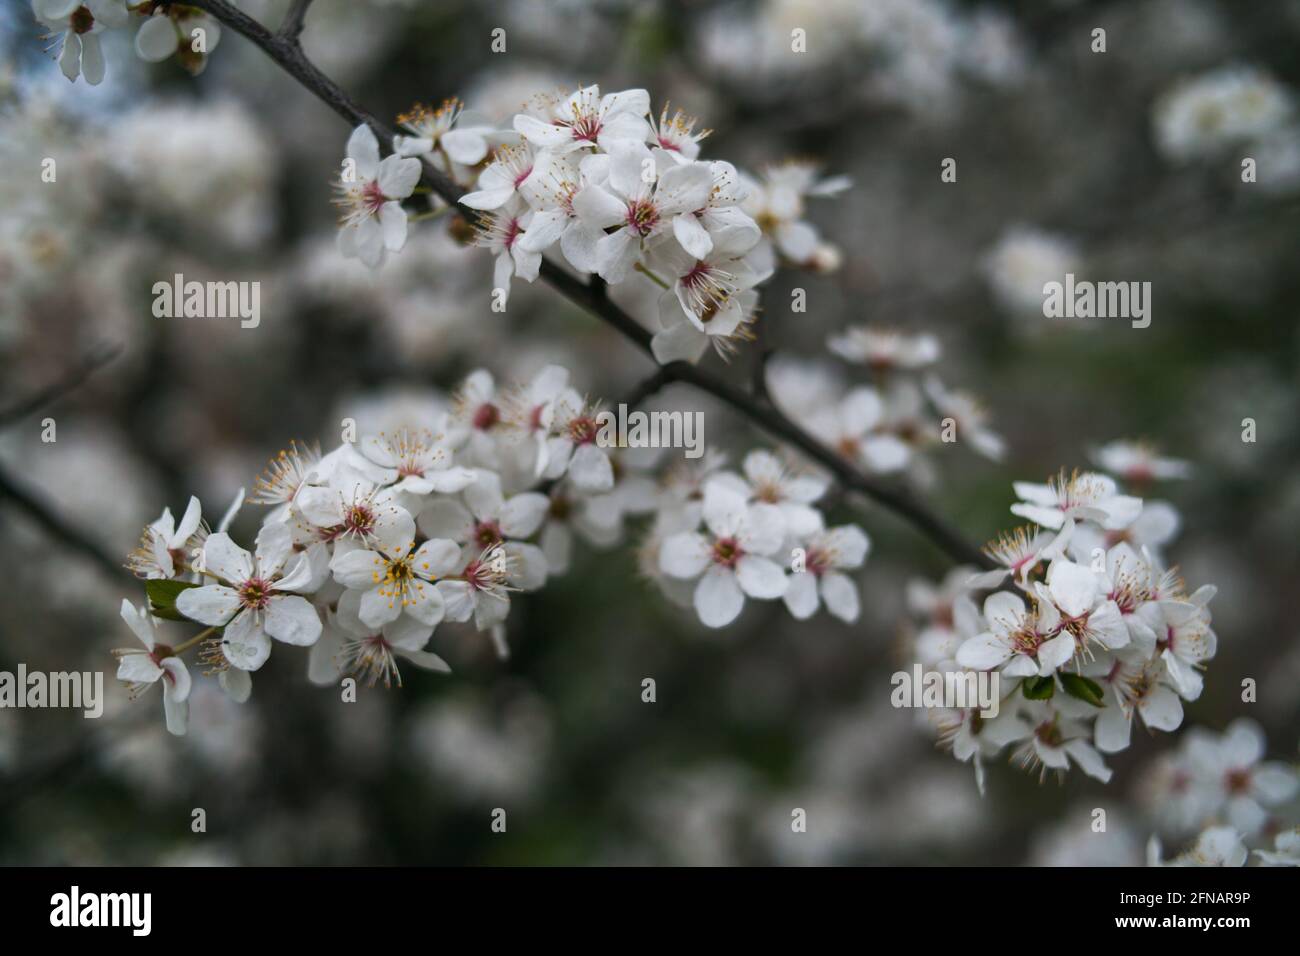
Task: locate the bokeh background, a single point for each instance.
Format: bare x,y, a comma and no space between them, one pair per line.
1066,159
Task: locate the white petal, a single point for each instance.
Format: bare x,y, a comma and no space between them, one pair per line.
684,555
156,39
760,578
850,544
138,669
292,619
358,569
488,199
274,545
484,496
841,596
426,659
590,469
408,633
458,600
1089,760
237,684
1161,709
92,64
176,678
801,596
1113,729
364,149
176,713
425,605
464,146
1073,587
447,519
693,237
392,219
725,509
1054,653
682,342
213,605
244,643
539,133
225,559
189,523
983,652
527,565
140,622
718,598
523,514
378,609
436,558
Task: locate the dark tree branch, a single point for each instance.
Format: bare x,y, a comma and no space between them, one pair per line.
286,51
644,389
291,27
45,516
94,360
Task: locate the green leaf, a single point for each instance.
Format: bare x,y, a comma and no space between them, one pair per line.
1081,687
163,594
1038,688
168,614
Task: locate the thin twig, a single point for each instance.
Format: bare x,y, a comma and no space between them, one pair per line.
644,389
291,26
287,52
94,360
44,515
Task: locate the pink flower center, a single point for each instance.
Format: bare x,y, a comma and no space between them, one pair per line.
372,197
487,533
642,216
1237,781
727,551
511,232
81,20
486,416
255,594
583,430
1168,642
358,519
481,576
586,127
699,272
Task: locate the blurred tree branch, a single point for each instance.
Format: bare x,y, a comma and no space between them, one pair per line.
292,26
285,49
94,359
48,518
29,502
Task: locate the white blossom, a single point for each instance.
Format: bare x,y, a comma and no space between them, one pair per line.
732,559
141,669
78,24
370,194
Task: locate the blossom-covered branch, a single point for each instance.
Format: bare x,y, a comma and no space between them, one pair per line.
287,52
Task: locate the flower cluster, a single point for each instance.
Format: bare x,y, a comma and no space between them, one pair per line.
1084,626
886,426
1221,786
364,551
168,29
730,535
1205,115
615,192
1222,780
